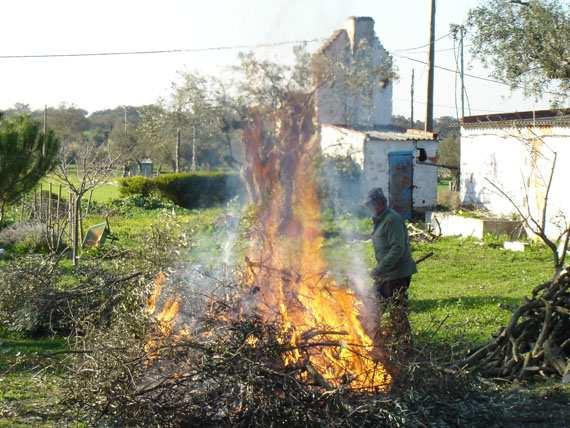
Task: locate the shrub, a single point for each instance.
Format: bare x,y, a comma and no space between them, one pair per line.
197,190
188,190
24,237
138,185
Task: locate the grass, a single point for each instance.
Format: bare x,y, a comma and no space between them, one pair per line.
456,298
103,193
27,396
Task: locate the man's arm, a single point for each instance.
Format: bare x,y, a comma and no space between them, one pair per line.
395,242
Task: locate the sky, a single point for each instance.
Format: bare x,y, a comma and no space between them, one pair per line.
94,83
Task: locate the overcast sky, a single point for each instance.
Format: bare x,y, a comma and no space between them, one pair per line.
70,26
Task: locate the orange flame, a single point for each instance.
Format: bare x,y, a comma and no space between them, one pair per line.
294,288
165,318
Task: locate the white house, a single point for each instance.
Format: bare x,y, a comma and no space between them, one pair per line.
356,121
358,91
515,152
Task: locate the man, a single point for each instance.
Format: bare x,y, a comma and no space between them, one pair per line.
392,275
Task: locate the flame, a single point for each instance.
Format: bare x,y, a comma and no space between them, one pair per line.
165,318
294,288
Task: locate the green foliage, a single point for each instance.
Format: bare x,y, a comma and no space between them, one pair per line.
188,190
449,151
22,162
527,44
22,238
137,185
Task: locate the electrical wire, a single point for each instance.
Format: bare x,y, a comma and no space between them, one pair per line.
160,51
422,46
473,76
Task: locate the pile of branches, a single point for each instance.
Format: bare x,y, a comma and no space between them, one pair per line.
418,234
537,338
40,296
226,368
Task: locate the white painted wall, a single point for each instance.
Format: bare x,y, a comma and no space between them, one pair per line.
372,156
336,142
376,169
516,160
371,106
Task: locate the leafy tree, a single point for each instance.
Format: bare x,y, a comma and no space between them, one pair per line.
526,43
26,155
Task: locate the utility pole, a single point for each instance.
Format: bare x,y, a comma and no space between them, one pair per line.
45,132
412,101
431,63
461,34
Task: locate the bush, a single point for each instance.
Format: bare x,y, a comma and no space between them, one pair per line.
24,237
188,190
197,190
138,185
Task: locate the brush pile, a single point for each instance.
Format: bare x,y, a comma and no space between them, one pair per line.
226,367
537,338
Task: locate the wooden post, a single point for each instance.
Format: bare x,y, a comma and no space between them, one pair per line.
461,34
35,210
41,202
431,64
70,214
50,187
412,101
45,132
58,201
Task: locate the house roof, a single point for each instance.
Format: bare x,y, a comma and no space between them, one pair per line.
330,40
409,135
391,133
554,117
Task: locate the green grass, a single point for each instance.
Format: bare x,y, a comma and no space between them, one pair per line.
27,395
105,192
456,298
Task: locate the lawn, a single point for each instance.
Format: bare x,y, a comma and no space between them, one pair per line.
105,192
458,296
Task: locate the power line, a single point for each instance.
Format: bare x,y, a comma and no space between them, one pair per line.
473,76
160,51
407,100
185,50
422,46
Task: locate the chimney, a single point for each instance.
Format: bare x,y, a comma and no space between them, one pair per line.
359,28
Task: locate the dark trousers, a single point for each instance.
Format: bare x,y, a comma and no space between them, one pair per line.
393,333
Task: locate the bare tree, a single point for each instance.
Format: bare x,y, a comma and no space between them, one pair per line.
537,222
82,170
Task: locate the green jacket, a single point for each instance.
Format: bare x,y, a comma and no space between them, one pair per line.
392,247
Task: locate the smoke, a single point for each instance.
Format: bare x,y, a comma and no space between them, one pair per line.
342,197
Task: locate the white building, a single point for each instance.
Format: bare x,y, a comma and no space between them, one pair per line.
356,121
357,70
515,152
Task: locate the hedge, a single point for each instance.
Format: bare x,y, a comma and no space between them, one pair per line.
188,190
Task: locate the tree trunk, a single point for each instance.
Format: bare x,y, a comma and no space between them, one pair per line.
75,228
193,148
2,210
177,152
